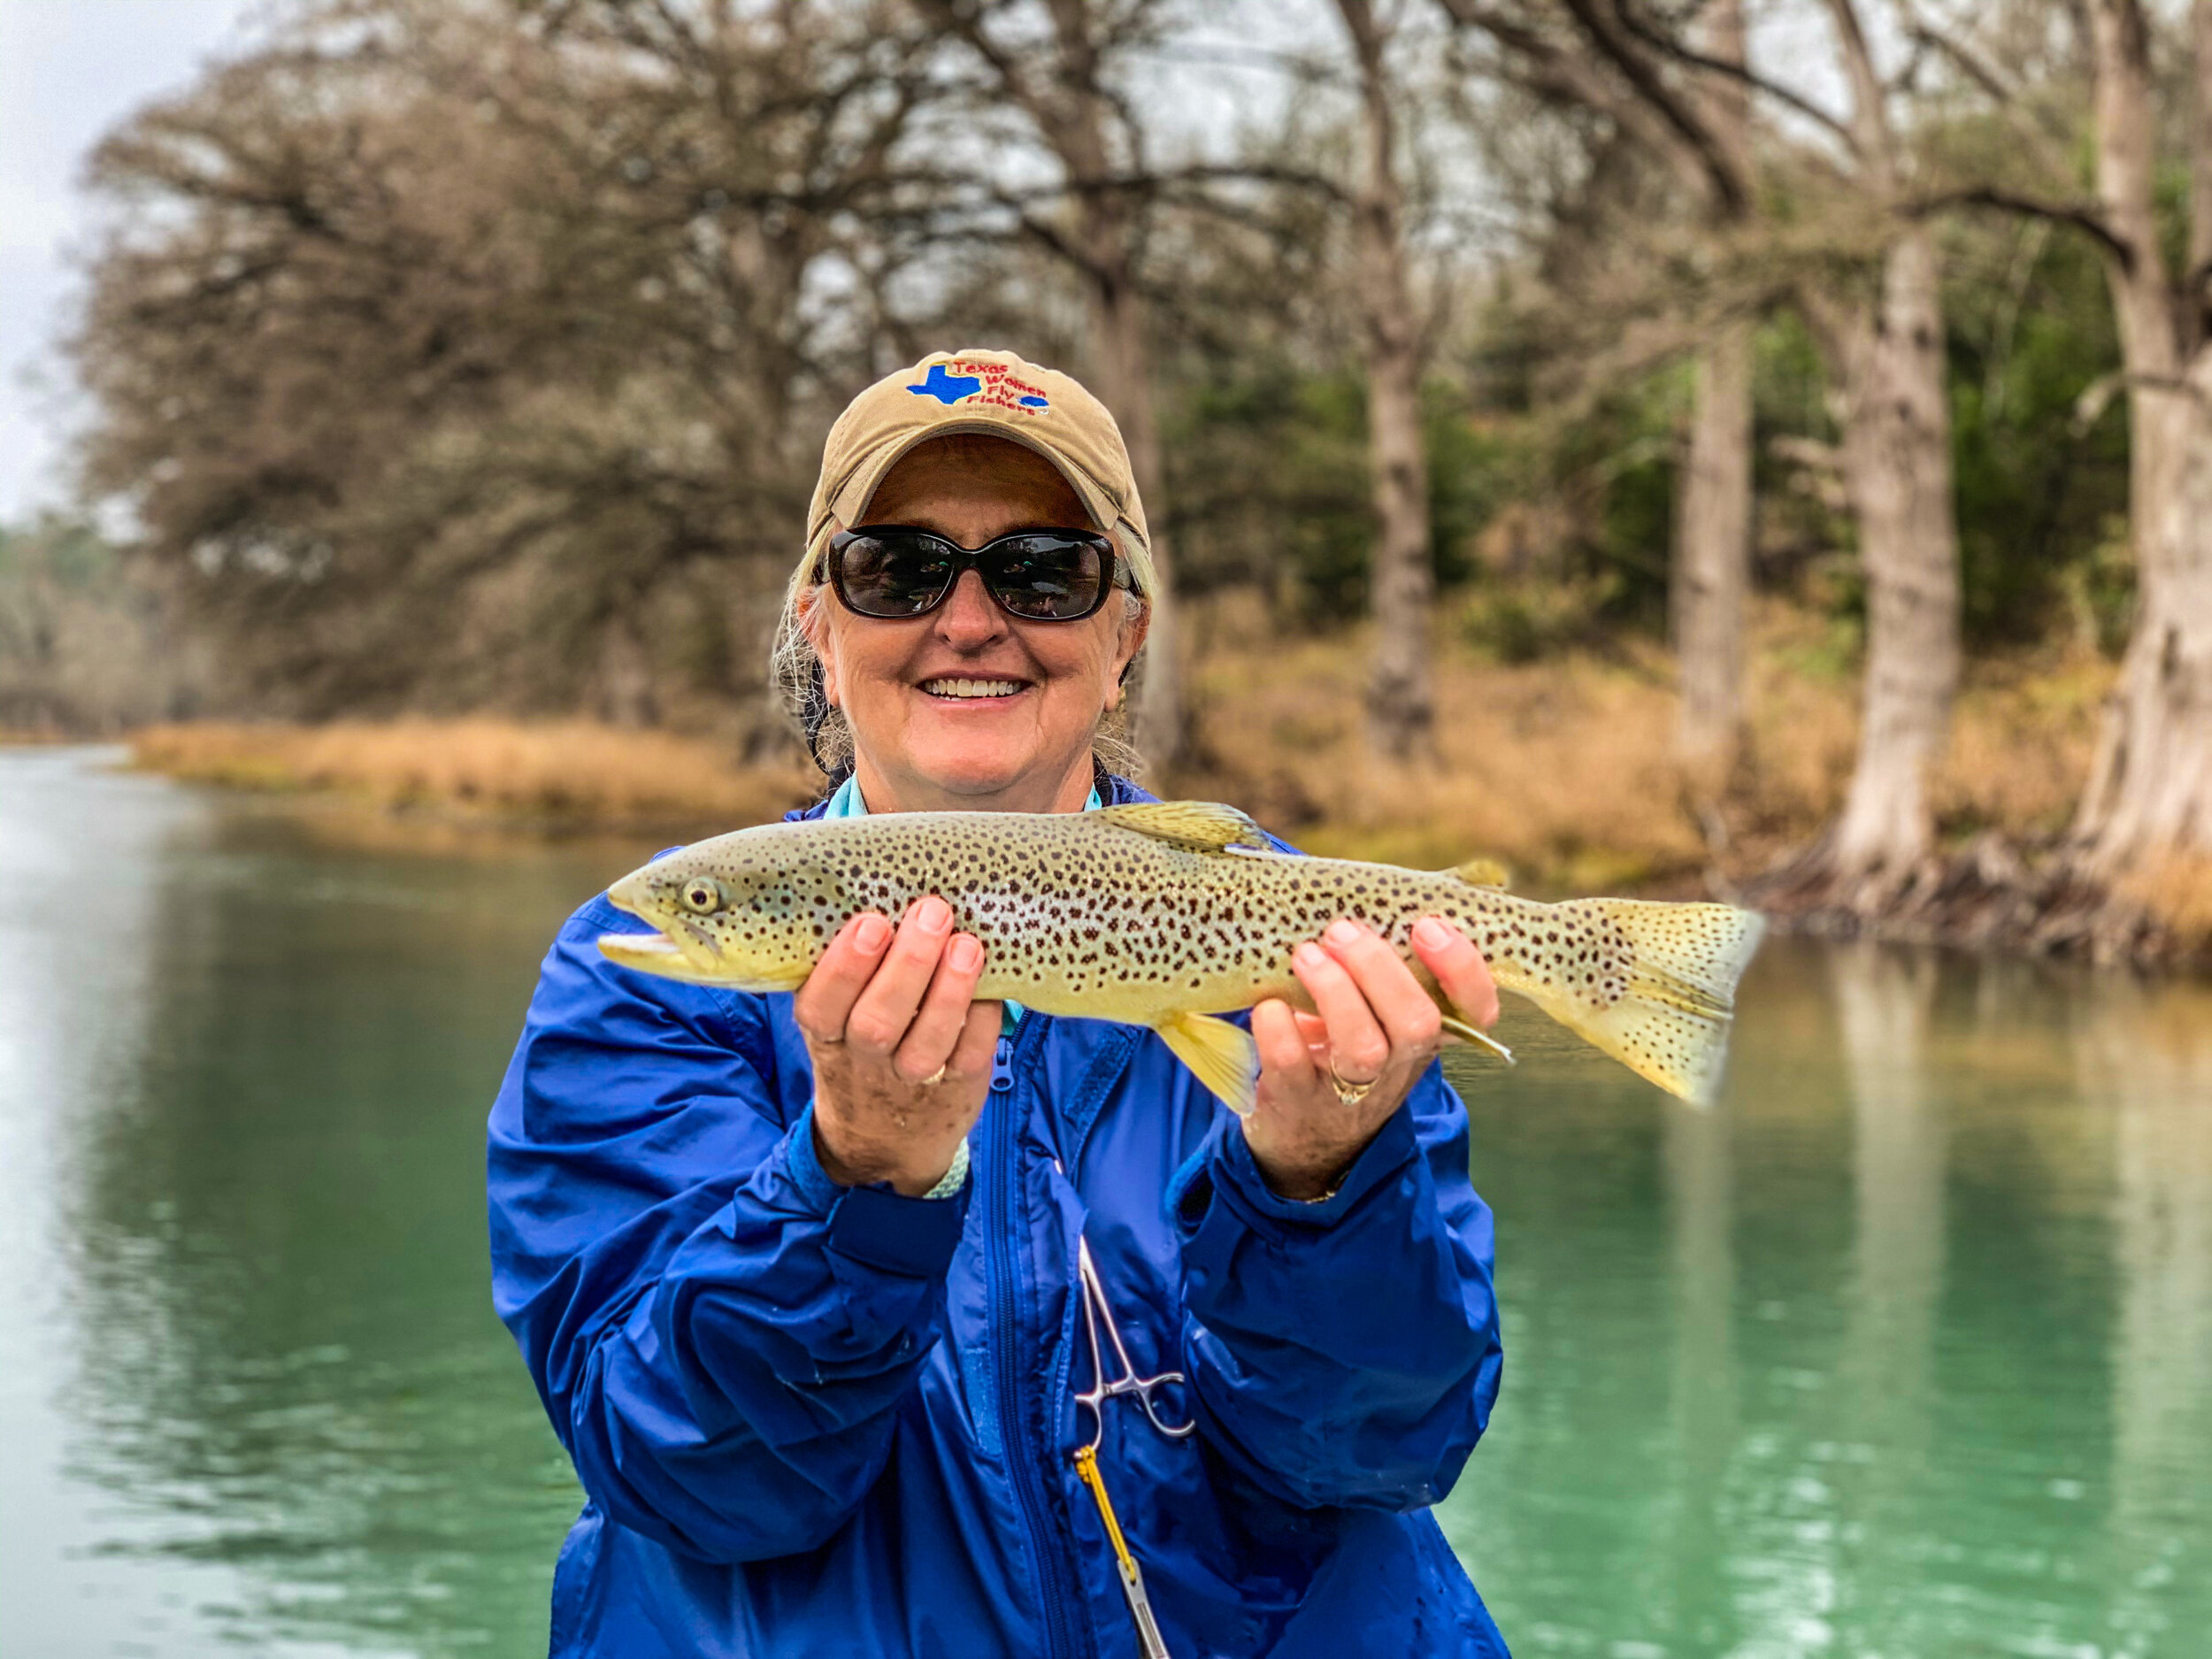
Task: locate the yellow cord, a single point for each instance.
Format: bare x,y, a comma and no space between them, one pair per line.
1087,1466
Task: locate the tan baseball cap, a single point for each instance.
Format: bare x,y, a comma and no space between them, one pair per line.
993,393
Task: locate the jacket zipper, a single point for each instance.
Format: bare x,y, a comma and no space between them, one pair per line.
1044,1544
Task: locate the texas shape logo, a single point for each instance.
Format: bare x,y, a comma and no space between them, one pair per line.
961,379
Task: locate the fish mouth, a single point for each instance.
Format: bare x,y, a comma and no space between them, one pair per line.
655,953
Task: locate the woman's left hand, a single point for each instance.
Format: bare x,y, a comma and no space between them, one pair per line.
1376,1027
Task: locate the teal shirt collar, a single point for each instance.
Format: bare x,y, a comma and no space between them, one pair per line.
846,802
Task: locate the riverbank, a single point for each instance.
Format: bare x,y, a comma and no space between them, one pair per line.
558,775
1560,769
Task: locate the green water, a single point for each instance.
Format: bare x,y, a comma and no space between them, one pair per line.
1904,1352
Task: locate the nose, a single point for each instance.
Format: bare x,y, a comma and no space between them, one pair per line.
969,618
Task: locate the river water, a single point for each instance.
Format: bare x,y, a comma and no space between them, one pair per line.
1903,1353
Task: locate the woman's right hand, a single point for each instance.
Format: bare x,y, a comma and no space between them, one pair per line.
901,1052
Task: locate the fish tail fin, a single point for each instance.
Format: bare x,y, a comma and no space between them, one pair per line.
1671,1025
1224,1057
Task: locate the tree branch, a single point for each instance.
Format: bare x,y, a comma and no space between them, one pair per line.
1641,74
1662,42
2081,217
1550,70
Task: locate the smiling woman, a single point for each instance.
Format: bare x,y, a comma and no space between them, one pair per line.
812,1353
968,705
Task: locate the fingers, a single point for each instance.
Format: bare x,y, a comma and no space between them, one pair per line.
1373,1007
888,1004
926,1048
973,1053
824,1002
880,989
1286,1050
1356,1042
1459,968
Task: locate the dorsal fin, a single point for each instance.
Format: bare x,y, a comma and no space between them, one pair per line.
1203,826
1482,873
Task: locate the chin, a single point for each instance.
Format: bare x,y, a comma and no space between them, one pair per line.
971,769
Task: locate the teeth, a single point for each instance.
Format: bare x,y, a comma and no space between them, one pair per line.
971,688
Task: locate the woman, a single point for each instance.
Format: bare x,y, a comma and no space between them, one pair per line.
811,1285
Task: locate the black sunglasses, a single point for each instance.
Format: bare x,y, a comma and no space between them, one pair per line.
895,571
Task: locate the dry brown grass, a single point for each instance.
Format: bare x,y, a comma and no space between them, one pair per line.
2177,895
1562,769
573,771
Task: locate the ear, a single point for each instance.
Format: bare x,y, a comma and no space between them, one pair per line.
815,625
1132,633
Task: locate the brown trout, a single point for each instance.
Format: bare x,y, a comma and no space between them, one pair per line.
1170,915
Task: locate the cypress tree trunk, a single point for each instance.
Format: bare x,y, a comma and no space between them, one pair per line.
1710,572
2149,796
1897,467
1117,326
1400,708
1711,575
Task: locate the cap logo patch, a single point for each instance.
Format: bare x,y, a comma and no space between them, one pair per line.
962,380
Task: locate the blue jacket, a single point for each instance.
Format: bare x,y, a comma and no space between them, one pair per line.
814,1420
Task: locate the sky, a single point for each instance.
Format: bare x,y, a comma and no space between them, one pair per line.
69,70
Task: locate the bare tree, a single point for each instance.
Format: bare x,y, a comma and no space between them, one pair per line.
1710,573
1888,348
1060,79
1599,59
2149,796
466,353
1866,281
1401,709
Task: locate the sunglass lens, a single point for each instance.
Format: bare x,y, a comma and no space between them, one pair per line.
1049,578
893,575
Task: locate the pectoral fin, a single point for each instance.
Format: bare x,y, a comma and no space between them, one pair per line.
1202,826
1223,1056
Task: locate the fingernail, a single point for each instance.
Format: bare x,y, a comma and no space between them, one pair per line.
1430,932
965,954
1343,931
871,935
933,915
1307,956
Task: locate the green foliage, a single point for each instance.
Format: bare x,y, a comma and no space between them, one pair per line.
1521,622
2037,488
1267,471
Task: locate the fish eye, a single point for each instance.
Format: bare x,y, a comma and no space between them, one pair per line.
702,896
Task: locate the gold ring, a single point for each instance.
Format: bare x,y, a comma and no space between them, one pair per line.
1350,1093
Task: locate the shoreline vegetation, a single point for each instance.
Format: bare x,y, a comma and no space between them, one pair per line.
1561,769
1904,504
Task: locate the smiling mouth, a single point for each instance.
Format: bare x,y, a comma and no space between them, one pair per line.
972,690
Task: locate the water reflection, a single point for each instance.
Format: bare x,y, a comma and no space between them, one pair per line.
2147,1060
1885,1001
1904,1350
280,1358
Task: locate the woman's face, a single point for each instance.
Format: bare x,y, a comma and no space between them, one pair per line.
968,707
